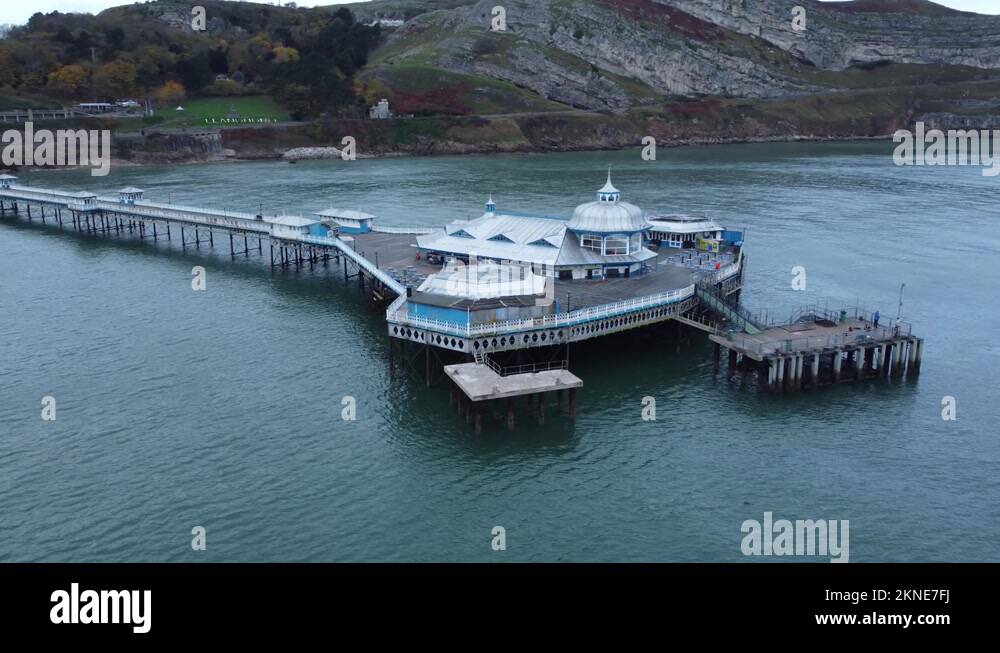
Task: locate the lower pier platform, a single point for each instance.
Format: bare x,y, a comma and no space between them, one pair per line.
481,389
822,350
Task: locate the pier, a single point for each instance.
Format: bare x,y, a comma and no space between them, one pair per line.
820,346
494,348
292,241
484,388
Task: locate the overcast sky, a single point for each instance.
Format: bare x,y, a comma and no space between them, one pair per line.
18,12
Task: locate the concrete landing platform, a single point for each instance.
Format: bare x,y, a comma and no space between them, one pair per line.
480,383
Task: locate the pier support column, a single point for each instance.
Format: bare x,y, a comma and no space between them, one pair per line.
718,355
918,357
800,364
859,364
780,380
901,355
890,356
732,362
837,361
912,362
883,359
814,370
572,403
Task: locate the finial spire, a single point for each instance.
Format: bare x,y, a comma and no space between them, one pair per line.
609,193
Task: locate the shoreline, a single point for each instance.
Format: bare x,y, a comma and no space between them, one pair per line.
390,154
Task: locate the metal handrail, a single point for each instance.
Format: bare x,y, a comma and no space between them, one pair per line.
560,319
416,231
524,368
554,320
813,343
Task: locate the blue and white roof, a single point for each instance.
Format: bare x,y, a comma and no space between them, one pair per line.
679,223
291,221
345,214
500,236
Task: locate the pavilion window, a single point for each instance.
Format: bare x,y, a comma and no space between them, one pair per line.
615,245
590,241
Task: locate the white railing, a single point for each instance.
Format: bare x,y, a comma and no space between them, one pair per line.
396,304
38,195
416,231
360,260
549,321
723,272
179,214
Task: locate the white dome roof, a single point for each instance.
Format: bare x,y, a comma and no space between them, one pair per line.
607,217
608,214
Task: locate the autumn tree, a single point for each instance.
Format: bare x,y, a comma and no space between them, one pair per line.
170,93
115,79
69,80
371,91
283,54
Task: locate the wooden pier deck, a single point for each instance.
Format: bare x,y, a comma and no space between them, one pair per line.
397,252
821,350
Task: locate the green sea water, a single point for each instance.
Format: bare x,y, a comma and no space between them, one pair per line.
222,408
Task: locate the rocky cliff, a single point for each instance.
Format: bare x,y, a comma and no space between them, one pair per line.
617,54
842,34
